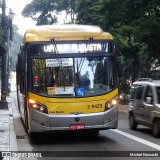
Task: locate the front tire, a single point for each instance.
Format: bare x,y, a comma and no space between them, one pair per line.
132,122
156,128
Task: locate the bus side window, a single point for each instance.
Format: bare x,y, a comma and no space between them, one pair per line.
21,72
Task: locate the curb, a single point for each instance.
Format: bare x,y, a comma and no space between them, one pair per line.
12,134
13,139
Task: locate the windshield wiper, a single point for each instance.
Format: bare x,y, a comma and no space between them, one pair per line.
79,66
90,40
56,51
58,59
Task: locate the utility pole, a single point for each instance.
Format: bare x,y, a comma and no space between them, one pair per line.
3,103
7,29
3,14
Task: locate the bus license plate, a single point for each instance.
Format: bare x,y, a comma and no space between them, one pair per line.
76,126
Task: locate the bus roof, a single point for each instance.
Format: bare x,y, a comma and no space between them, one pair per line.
65,32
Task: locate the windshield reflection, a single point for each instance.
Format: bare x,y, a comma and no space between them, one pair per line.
70,77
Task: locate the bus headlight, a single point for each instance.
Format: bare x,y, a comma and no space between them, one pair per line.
111,104
37,106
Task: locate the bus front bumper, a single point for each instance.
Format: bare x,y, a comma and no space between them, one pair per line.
40,122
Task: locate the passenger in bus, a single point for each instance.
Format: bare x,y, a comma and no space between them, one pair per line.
84,80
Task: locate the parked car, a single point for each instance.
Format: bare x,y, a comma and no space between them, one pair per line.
144,105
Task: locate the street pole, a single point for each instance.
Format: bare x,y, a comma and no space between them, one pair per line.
3,14
3,103
7,26
5,58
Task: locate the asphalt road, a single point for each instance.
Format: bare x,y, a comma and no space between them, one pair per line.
121,139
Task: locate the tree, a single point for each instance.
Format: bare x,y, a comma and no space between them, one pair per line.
135,27
69,7
14,49
47,11
141,32
41,11
91,12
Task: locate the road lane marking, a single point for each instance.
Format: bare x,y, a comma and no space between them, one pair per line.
140,140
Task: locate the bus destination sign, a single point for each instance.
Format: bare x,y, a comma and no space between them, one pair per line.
75,48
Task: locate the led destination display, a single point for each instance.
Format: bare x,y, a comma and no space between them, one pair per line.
74,48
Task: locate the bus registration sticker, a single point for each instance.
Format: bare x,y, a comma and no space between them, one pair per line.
76,126
64,90
51,90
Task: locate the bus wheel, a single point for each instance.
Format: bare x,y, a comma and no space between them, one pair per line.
132,122
26,122
31,134
26,119
156,128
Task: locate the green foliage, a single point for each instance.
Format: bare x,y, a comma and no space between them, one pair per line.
136,30
41,11
124,101
47,11
91,12
124,87
69,7
124,90
14,49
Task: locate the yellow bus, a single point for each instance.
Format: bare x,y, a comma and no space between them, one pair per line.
67,79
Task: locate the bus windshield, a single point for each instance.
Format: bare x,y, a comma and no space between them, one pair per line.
73,77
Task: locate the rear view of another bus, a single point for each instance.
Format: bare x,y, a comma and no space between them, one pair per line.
67,79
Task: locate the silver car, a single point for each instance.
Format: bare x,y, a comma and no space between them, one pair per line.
144,105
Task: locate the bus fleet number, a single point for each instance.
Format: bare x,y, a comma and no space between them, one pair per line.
94,106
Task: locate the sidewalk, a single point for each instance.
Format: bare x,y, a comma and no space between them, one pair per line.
123,109
8,141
